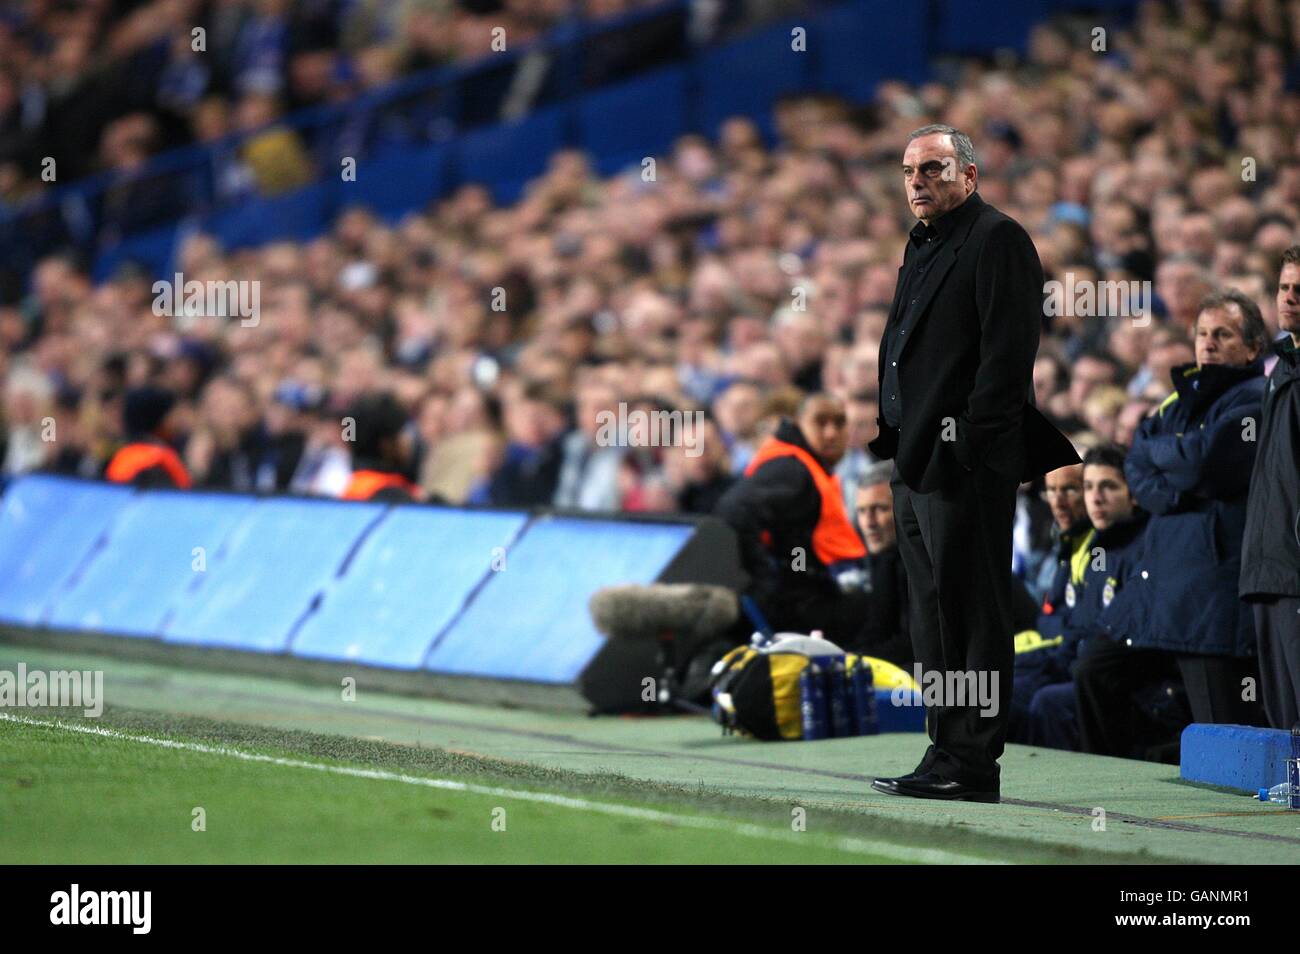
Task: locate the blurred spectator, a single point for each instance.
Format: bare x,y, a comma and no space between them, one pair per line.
861,410
699,480
529,470
885,632
28,401
381,456
738,410
592,455
147,459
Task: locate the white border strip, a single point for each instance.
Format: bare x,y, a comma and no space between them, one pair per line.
842,843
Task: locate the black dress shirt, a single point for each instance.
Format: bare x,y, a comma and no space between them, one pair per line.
924,244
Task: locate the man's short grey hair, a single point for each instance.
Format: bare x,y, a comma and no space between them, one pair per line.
1254,332
877,473
960,141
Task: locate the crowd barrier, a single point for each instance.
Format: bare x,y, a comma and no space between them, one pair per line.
475,597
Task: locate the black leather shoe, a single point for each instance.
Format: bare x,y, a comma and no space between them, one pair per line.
935,786
889,784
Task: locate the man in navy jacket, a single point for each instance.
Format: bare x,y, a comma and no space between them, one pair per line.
1106,563
1190,467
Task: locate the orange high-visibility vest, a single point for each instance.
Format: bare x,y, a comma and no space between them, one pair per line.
366,483
833,538
134,459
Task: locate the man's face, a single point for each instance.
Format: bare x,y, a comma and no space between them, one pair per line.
1130,418
1219,339
825,427
933,178
1063,492
875,515
1107,495
1181,286
1288,299
862,428
1164,359
1045,380
592,401
1087,374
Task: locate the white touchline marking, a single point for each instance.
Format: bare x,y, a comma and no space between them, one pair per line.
842,843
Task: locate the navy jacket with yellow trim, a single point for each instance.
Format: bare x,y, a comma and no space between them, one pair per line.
1108,562
1190,467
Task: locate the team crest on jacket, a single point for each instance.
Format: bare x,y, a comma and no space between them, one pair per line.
1069,594
1108,592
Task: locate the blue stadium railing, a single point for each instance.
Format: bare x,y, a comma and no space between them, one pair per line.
453,595
620,89
486,593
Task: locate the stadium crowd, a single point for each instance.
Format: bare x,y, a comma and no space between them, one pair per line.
103,85
476,347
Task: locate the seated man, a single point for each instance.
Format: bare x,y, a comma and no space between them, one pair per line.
1189,467
1107,561
885,633
1071,531
1063,491
797,543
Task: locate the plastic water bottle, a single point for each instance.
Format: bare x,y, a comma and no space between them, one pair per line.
864,698
841,714
1279,794
812,702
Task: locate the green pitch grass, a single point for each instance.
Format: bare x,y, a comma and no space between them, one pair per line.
288,772
69,797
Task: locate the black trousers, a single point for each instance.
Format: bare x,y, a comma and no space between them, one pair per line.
1106,678
956,549
1215,686
1110,673
1277,634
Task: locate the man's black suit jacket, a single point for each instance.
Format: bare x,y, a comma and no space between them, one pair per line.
966,360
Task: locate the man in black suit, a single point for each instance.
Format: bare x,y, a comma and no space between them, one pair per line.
956,369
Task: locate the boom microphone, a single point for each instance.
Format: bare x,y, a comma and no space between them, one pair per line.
688,610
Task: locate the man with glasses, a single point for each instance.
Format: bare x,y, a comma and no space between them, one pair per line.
956,417
1063,493
1071,533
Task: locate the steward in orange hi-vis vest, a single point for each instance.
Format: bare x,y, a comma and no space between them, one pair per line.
147,459
148,464
803,554
833,537
379,455
375,484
